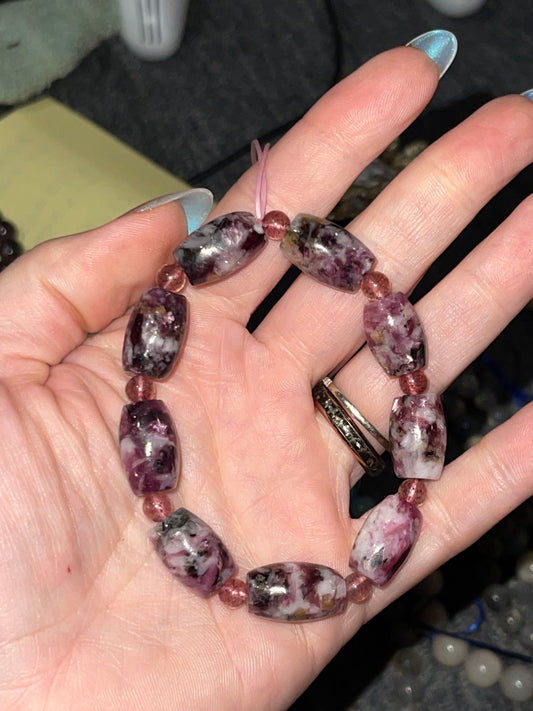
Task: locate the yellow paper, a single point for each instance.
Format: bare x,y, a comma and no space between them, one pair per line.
61,174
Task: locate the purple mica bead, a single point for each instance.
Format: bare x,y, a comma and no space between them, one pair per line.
327,252
220,247
394,334
295,592
418,436
148,447
385,539
192,552
155,333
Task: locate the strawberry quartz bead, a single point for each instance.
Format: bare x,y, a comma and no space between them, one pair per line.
413,491
413,383
375,285
140,388
358,588
157,507
233,593
275,224
171,277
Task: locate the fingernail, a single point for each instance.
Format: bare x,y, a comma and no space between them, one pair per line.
196,203
439,45
528,94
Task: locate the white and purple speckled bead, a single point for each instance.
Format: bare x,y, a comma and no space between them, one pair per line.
418,436
148,447
326,252
220,247
385,539
295,592
394,334
155,333
192,552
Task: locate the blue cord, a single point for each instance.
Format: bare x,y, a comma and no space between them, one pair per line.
476,643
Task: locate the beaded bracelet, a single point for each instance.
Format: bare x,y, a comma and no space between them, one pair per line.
289,591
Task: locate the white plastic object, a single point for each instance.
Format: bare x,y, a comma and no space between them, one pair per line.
153,29
457,8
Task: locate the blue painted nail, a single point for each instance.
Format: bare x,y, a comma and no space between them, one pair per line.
528,94
439,45
196,203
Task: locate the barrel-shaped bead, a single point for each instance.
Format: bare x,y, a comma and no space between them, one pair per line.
327,252
418,436
192,552
394,334
385,539
155,333
148,447
295,592
220,247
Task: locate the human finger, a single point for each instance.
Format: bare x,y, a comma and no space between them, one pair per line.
461,316
476,491
63,289
408,225
310,168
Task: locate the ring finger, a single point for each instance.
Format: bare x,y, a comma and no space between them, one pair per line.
461,316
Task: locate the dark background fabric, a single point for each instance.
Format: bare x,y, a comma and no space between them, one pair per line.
246,68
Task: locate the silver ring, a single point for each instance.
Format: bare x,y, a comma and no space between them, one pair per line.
356,414
343,416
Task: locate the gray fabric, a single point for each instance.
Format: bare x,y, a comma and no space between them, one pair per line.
245,67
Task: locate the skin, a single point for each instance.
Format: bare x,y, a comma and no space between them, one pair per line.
90,619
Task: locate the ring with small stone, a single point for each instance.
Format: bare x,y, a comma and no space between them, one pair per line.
344,417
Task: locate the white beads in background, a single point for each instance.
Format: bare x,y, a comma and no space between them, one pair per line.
457,8
516,682
483,668
524,567
449,651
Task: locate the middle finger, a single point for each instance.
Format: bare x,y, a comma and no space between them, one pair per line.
410,223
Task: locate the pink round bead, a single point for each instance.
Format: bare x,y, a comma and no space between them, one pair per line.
172,278
358,588
375,285
275,224
413,491
157,507
233,593
140,388
413,383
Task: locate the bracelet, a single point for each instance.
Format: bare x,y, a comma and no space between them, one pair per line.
191,550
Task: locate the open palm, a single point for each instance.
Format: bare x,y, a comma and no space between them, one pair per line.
90,618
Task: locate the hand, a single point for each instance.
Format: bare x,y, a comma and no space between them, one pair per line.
90,618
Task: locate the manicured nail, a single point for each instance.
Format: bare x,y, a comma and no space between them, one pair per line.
196,203
528,94
439,45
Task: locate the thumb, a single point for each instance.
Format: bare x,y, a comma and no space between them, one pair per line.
67,287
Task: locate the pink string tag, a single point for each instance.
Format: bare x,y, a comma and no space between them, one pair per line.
259,155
